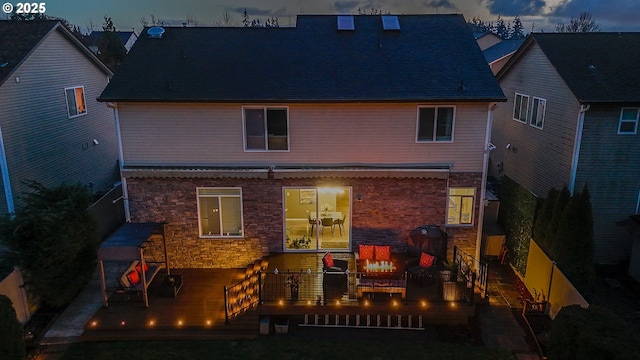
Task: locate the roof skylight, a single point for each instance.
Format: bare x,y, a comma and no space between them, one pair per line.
345,22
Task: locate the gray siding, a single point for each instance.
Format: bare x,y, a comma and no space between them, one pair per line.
538,159
212,134
41,142
609,165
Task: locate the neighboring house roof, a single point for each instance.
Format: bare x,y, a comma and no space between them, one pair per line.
501,49
93,38
597,67
19,38
312,62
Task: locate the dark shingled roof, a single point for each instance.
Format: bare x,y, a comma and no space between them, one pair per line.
501,49
432,57
17,40
598,67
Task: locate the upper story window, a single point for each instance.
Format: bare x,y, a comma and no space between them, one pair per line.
537,112
435,123
266,129
220,212
521,107
76,104
628,121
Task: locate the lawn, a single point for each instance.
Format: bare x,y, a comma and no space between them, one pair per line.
282,348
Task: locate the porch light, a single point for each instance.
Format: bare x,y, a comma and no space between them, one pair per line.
423,304
366,303
208,322
280,302
151,323
94,323
180,322
395,303
337,302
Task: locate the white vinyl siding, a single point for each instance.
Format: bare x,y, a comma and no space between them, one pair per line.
537,112
521,107
220,212
435,123
76,103
628,123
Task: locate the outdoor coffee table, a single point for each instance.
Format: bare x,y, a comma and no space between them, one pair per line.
381,277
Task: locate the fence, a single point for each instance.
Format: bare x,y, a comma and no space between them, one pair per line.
108,212
547,284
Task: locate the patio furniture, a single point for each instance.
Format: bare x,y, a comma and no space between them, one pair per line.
334,278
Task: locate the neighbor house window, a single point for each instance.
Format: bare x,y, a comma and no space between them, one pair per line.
460,209
220,212
521,107
76,104
266,129
628,121
435,123
537,112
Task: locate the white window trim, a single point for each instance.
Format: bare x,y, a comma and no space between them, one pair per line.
620,121
526,115
266,134
453,125
531,119
84,98
203,236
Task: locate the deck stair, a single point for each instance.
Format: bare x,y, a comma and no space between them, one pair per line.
379,321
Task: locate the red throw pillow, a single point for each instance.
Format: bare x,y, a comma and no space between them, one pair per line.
383,252
139,268
327,260
426,260
365,252
134,278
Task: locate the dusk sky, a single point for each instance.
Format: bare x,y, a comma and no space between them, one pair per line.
611,15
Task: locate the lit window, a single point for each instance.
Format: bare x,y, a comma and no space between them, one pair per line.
266,129
435,123
628,121
76,104
220,212
537,112
460,209
521,107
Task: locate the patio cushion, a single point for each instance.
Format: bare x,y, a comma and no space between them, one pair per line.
383,252
327,260
426,260
139,268
134,277
366,252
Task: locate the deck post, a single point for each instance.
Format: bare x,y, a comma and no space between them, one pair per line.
226,310
260,288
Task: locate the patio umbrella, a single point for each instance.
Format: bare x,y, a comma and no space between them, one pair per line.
430,239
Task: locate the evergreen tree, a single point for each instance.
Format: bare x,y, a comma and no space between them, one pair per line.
55,239
500,28
111,51
543,218
561,201
12,345
516,31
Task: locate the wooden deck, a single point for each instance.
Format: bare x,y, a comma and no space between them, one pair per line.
198,309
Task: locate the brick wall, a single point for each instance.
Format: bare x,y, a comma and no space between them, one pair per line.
390,208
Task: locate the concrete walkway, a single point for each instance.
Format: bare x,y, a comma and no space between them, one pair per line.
500,329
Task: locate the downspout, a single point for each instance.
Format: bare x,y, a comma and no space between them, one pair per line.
6,181
576,147
483,183
125,192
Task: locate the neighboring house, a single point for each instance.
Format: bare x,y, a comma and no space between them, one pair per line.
92,40
243,146
52,130
572,119
498,54
484,38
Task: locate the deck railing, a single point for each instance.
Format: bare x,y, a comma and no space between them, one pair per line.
479,277
242,296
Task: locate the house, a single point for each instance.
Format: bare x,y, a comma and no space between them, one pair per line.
341,131
92,40
571,119
51,128
498,54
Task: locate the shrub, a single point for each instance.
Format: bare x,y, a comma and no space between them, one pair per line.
12,345
592,333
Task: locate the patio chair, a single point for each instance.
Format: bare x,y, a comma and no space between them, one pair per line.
334,279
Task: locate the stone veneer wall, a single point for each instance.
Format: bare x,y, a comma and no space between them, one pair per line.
390,208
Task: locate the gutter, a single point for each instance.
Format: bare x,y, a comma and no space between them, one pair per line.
483,183
125,192
576,147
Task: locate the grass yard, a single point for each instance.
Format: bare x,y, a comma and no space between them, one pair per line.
281,348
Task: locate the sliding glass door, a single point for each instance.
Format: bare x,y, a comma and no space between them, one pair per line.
317,218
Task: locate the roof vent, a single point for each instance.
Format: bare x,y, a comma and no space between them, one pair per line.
155,32
390,22
345,22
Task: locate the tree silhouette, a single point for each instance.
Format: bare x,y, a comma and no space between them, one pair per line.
110,49
583,23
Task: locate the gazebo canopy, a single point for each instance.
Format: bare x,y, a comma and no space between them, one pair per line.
124,243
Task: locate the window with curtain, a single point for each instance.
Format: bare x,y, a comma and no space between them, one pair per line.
220,212
460,209
76,104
